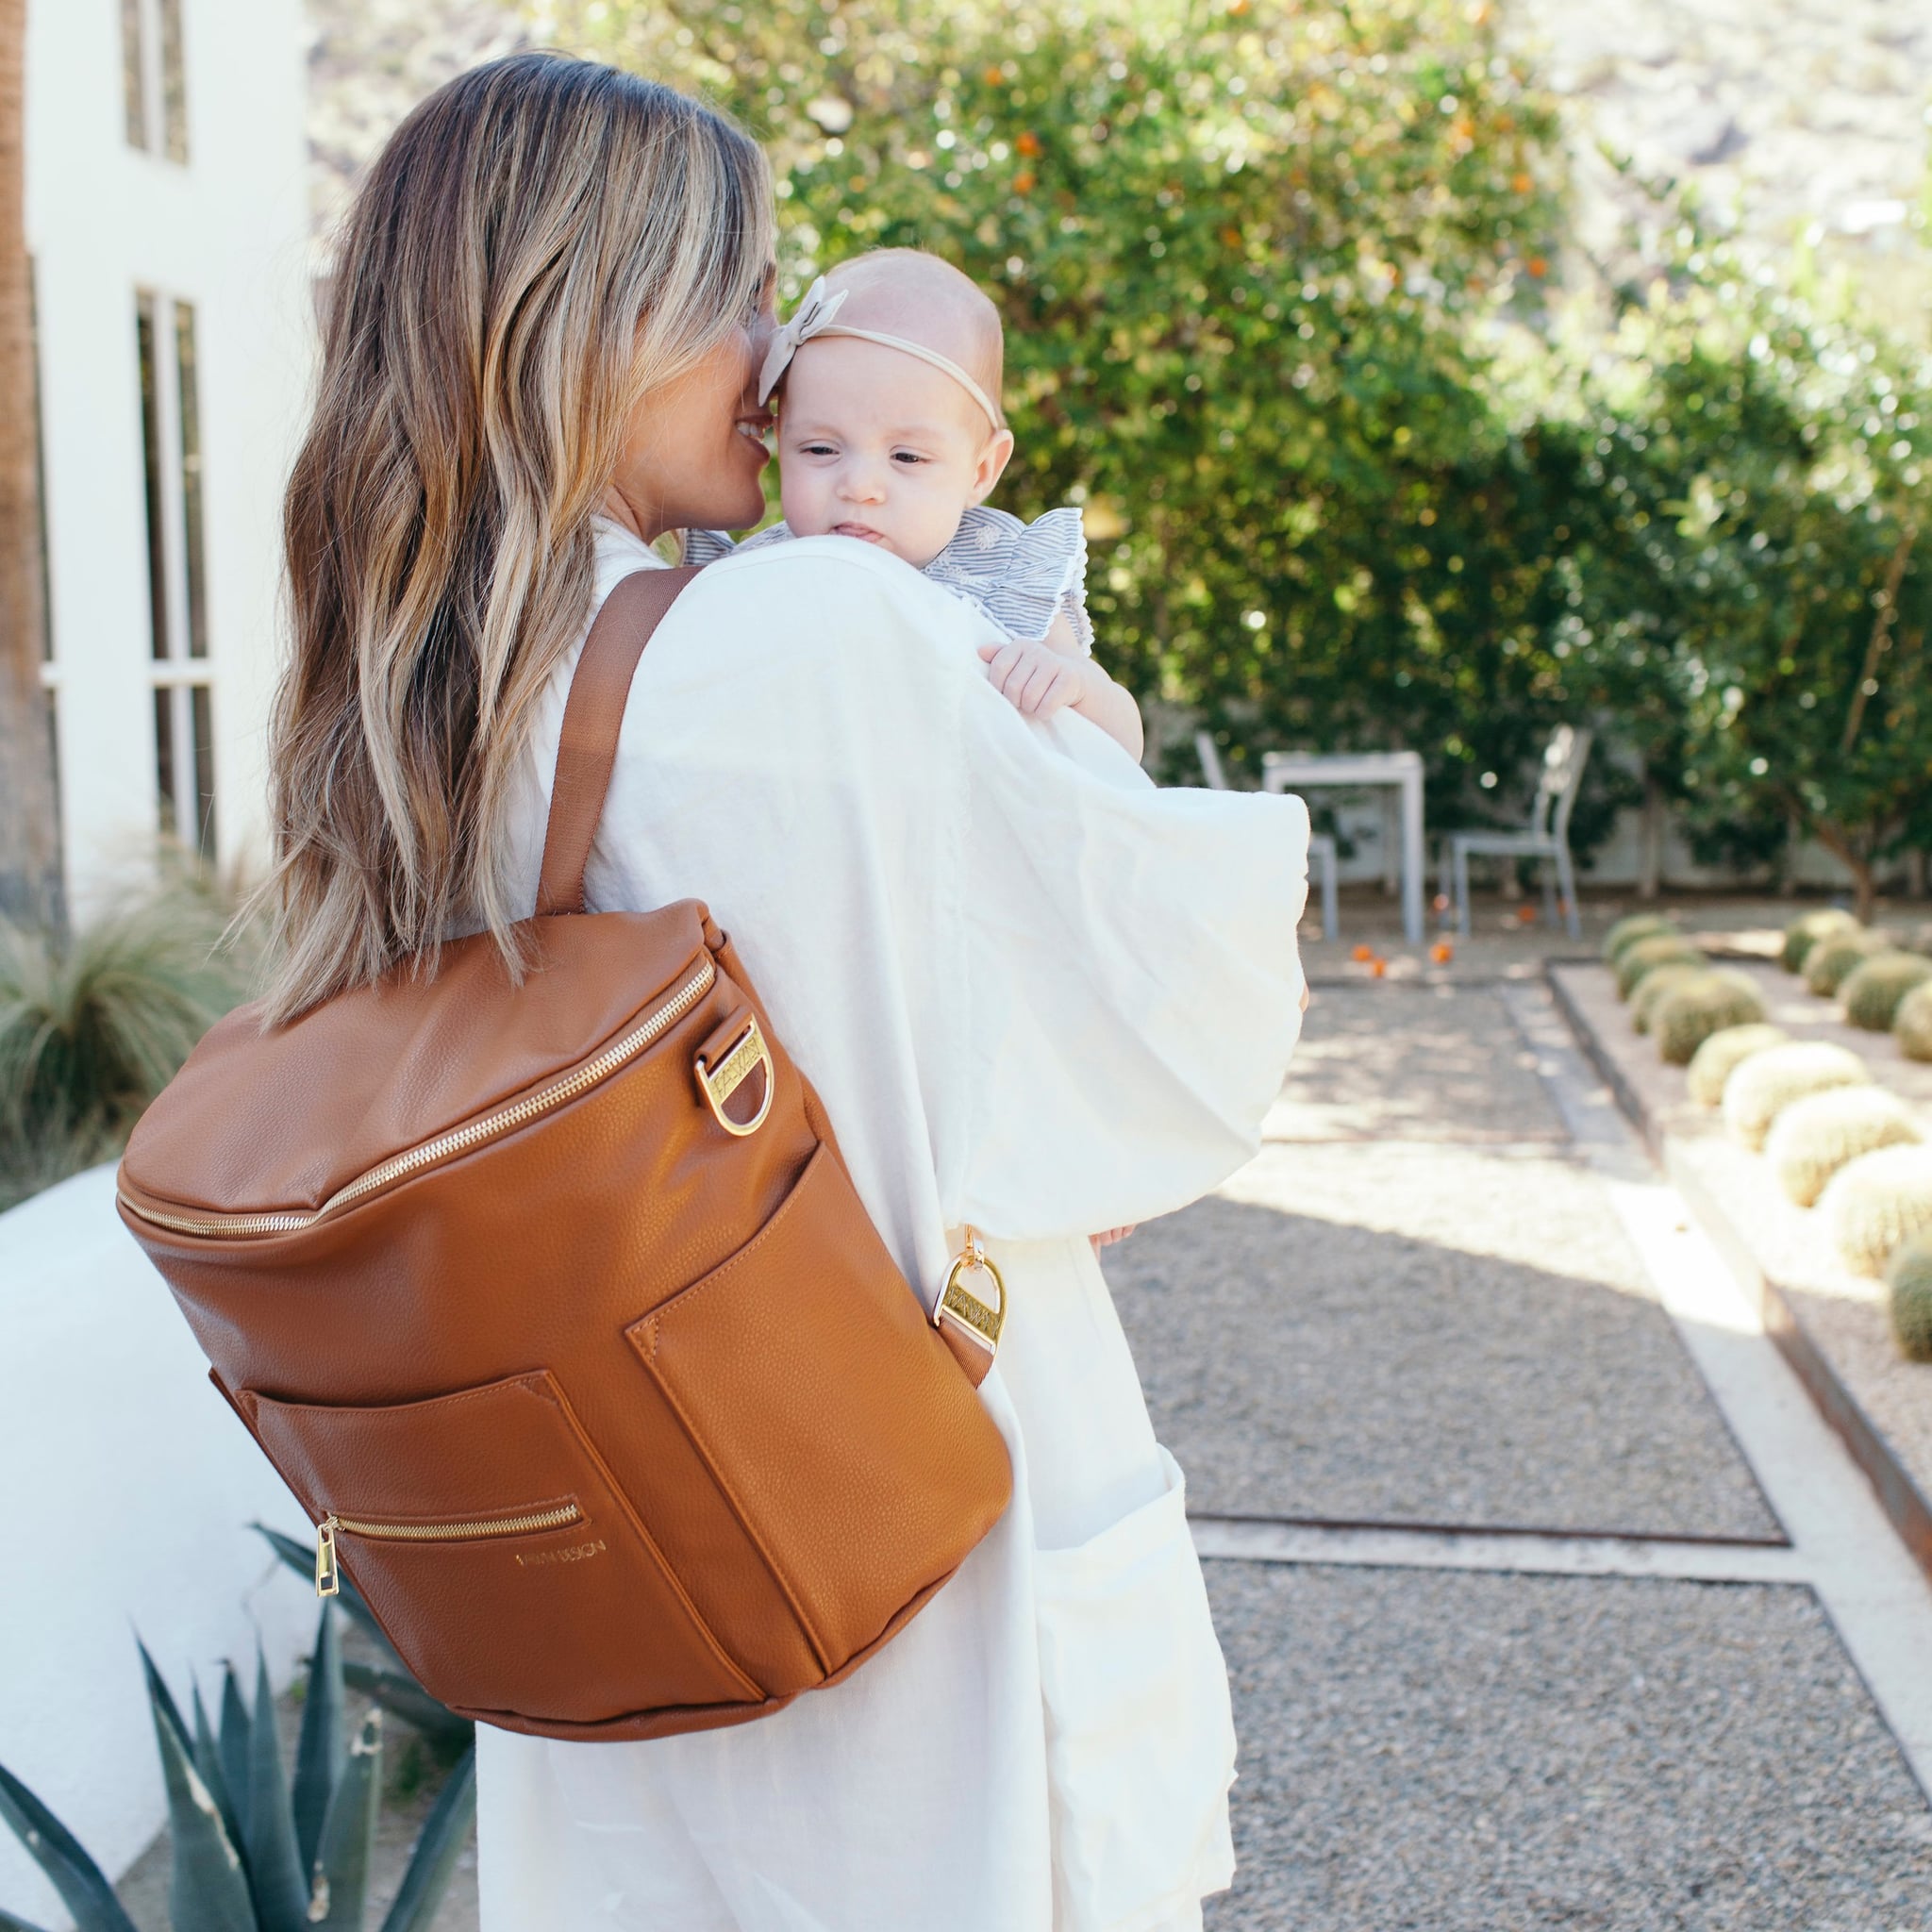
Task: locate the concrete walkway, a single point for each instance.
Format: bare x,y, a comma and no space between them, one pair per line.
1548,1599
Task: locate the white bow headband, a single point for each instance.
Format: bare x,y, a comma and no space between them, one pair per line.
814,317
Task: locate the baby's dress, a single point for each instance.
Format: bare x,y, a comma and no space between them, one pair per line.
1021,576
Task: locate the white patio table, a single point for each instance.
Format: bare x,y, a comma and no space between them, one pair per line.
1302,771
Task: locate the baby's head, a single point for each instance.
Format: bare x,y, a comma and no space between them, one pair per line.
873,441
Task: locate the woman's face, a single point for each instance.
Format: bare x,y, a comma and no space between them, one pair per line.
695,447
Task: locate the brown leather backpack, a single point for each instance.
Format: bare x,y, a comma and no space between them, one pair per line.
556,1307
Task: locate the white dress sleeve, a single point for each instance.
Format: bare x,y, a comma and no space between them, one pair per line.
1134,986
1077,991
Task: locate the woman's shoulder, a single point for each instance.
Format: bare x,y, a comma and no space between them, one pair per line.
839,588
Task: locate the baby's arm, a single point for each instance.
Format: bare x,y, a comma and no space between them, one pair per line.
1041,676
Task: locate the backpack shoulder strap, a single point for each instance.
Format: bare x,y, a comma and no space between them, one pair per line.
592,716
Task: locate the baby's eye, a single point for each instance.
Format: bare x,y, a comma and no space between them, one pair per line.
906,456
816,449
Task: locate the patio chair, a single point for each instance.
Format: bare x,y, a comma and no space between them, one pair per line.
1321,846
1546,836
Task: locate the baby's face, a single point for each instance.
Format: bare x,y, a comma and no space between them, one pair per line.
873,443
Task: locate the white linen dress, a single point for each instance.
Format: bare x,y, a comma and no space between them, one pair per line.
1036,994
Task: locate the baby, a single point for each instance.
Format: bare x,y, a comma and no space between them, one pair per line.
891,432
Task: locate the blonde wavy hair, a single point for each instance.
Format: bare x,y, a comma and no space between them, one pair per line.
542,244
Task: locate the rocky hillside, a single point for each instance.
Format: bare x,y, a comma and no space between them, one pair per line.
1799,120
371,60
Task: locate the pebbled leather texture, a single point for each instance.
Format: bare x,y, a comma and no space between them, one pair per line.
693,1345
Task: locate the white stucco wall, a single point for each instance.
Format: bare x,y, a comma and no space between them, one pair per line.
229,233
127,1489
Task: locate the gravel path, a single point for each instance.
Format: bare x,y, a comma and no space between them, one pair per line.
1429,1752
1413,1062
1422,1329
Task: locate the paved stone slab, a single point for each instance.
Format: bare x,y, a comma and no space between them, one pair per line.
1424,1333
1451,1753
1389,1060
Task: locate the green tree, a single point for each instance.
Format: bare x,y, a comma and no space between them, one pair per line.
1763,471
1246,255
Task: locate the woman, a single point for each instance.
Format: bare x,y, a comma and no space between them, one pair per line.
1035,993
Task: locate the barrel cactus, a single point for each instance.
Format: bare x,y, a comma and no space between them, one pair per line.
1768,1082
1833,960
1688,1014
1626,932
1911,1025
1871,993
1878,1203
1714,1062
1642,956
1658,984
1909,1275
1804,932
1814,1136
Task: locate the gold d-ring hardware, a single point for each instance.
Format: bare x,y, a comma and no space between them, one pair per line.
745,1053
982,1320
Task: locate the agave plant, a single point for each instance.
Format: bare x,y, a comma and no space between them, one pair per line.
389,1681
254,1850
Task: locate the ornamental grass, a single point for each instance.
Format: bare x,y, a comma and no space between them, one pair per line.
91,1029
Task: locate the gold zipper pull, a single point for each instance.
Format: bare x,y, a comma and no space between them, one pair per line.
329,1578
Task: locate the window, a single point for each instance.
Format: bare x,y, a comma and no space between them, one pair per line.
153,78
165,344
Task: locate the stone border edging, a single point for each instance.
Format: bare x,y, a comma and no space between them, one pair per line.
1901,1497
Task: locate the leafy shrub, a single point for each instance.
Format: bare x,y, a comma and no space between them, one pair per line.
1768,1082
1876,1204
1627,931
1911,1025
1872,992
1814,1136
92,1029
1688,1014
1833,960
254,1850
1658,984
1667,949
1714,1062
1807,930
1909,1275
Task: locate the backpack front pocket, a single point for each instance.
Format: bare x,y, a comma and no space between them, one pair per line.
856,1455
484,1534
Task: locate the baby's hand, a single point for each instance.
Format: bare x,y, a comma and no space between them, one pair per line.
1112,1235
1033,678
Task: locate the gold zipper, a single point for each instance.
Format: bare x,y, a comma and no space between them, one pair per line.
502,1120
328,1577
